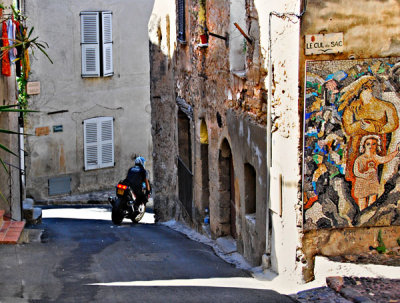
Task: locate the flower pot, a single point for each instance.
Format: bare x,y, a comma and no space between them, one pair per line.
203,39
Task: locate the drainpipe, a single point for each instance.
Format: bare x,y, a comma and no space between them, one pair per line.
21,160
269,141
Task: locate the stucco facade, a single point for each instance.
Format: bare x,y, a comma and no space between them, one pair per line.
67,99
242,102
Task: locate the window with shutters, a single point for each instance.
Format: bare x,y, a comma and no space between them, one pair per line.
96,44
181,21
98,142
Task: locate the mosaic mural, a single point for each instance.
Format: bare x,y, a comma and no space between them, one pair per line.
351,143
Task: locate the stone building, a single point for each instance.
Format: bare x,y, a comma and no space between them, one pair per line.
253,115
94,101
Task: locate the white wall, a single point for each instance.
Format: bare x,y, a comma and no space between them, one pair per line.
284,50
162,10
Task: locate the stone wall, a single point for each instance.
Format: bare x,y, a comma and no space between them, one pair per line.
228,110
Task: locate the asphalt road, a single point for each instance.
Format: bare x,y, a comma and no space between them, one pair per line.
88,259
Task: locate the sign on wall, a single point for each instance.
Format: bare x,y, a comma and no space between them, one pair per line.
324,44
33,88
351,143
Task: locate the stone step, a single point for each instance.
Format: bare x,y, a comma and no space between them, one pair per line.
1,217
10,231
32,215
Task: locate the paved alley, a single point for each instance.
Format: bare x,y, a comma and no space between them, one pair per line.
80,256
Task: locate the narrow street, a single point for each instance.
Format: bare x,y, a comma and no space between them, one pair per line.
78,255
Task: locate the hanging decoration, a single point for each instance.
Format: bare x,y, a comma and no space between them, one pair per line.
16,41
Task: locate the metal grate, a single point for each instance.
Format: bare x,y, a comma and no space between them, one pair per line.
181,20
59,186
185,180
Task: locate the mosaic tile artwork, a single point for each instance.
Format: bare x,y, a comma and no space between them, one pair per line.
351,143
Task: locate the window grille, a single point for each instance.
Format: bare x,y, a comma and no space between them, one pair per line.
181,20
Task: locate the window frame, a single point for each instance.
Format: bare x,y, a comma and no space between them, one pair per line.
98,141
96,44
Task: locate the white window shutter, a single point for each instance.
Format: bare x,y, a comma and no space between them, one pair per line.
90,44
106,142
108,68
91,151
90,60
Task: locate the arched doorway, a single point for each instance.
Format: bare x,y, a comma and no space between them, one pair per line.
227,208
185,175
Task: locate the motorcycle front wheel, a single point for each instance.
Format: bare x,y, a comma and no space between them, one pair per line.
116,213
139,213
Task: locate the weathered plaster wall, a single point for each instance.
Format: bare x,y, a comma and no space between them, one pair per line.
9,181
249,145
279,39
124,96
370,30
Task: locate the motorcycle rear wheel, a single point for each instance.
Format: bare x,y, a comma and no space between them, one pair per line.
138,215
116,214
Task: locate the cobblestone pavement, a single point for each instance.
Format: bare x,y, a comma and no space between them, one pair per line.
353,289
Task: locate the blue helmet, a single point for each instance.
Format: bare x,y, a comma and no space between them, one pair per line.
140,160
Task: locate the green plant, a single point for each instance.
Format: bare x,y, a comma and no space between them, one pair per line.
26,42
244,46
381,248
398,241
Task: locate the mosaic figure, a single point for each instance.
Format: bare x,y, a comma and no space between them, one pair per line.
363,114
366,186
351,130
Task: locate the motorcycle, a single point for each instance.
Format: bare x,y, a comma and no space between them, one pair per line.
126,205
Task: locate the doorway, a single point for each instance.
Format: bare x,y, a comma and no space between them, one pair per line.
185,175
227,204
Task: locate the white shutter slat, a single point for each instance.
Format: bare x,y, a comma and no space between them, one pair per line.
107,142
90,27
108,60
91,144
108,68
90,44
107,27
90,60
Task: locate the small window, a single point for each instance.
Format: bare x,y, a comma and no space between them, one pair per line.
96,44
250,189
181,21
237,43
99,142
